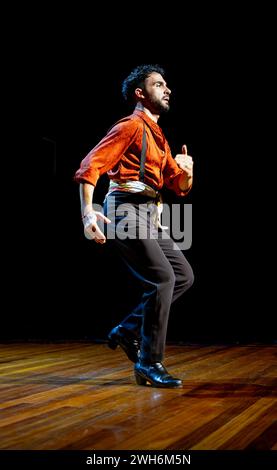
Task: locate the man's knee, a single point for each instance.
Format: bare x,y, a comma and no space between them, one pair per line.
187,280
166,279
190,280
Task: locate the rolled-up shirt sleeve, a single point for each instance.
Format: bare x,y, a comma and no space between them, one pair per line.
172,173
107,153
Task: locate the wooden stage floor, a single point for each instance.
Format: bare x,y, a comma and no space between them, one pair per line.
82,396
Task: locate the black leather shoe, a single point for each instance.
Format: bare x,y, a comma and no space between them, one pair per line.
156,374
119,336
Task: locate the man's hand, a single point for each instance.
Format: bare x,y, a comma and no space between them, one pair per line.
185,162
91,229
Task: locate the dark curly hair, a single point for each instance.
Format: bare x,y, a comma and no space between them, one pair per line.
136,79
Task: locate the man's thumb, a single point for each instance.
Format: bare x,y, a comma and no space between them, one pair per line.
184,150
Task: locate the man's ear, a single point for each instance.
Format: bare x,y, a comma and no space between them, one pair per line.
139,93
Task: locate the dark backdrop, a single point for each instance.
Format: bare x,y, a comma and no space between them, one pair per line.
67,287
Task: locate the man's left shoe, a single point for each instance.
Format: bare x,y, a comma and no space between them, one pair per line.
119,336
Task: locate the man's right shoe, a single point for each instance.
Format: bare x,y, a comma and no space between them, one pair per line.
119,336
156,374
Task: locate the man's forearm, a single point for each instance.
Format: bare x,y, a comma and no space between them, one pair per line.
86,198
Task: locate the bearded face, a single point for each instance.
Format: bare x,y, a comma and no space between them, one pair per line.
156,94
158,104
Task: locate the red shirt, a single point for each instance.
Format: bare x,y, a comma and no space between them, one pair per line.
118,155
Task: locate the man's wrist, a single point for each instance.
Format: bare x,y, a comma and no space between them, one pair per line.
87,209
87,215
89,219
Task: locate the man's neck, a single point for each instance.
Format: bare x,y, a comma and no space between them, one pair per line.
154,117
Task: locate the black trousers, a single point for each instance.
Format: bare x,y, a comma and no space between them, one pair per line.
154,261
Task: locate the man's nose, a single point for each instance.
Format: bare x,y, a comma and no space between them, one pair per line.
168,91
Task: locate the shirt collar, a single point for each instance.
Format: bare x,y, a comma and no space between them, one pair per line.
152,124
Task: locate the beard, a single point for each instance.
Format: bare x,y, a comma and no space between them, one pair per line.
159,106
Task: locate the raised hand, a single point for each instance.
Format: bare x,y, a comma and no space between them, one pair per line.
185,161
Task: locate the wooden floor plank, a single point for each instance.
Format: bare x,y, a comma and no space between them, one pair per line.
83,396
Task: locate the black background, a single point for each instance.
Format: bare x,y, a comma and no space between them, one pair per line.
67,94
